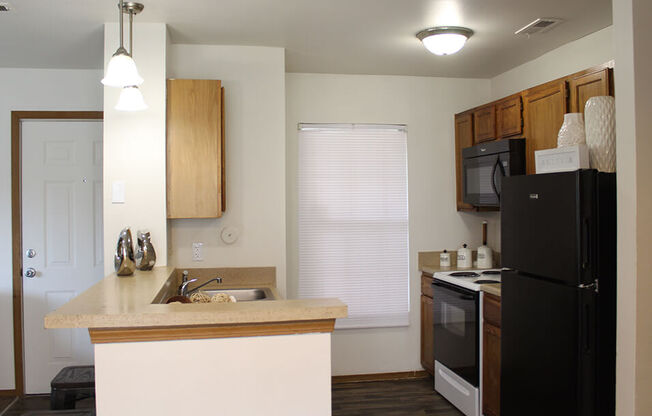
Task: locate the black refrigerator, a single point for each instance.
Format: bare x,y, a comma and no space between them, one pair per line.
558,306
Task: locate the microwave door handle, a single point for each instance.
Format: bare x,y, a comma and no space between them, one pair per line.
493,178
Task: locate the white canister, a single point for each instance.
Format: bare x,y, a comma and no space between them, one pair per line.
485,258
572,131
464,257
445,259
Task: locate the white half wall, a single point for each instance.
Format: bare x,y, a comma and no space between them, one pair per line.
427,106
134,145
30,89
286,375
254,87
594,49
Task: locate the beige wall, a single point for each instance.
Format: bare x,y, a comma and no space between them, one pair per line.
427,106
632,37
594,49
254,88
134,145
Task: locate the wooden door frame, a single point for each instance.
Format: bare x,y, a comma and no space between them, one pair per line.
17,117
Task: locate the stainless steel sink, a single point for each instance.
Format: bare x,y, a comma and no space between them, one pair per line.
244,295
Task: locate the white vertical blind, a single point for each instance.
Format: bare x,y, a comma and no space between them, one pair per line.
353,220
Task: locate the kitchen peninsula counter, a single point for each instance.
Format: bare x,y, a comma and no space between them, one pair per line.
126,302
250,358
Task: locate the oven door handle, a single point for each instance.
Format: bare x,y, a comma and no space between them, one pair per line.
462,291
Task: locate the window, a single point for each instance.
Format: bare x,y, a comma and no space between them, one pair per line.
353,220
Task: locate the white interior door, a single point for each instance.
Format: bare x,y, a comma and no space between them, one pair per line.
62,238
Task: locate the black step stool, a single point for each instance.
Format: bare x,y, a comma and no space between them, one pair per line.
72,384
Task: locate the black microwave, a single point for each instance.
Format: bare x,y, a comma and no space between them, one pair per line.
483,167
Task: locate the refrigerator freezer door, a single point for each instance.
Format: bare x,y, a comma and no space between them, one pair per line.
548,227
547,348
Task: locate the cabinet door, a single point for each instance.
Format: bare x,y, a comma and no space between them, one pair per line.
194,148
490,370
463,139
509,117
586,86
544,109
484,122
427,339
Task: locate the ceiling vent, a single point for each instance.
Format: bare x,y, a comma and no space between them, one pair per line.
541,25
5,7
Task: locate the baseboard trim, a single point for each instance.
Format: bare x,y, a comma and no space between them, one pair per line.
8,393
361,378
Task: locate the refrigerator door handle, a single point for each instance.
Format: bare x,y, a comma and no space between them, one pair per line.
586,244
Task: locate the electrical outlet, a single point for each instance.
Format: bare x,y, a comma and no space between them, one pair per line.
197,254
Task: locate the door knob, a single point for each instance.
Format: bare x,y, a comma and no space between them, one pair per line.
30,273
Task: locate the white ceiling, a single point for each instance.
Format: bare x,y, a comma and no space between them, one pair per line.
327,36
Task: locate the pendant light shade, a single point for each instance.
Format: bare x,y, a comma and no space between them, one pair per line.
121,71
444,40
131,99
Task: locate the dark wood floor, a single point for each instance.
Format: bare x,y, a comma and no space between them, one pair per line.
376,398
40,406
390,398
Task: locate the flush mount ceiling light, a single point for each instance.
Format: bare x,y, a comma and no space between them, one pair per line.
444,40
121,70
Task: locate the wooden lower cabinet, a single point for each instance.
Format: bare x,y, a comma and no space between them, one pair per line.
491,356
427,336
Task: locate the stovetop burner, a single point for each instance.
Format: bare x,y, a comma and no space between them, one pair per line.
489,272
464,274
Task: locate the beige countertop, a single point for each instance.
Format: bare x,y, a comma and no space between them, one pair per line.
126,302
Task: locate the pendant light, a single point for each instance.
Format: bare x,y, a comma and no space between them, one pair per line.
444,40
131,98
121,70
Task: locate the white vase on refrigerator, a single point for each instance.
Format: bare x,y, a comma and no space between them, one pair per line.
571,131
600,116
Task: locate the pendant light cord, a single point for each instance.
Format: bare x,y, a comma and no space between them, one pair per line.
122,42
131,33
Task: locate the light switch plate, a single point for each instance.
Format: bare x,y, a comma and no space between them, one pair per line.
118,194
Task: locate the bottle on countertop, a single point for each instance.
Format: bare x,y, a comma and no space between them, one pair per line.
445,259
485,254
464,257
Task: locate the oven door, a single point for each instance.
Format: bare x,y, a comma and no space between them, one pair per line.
482,177
456,329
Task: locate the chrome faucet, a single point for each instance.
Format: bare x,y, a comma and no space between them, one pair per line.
183,288
188,292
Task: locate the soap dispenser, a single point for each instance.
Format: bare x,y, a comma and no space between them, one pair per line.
485,255
464,257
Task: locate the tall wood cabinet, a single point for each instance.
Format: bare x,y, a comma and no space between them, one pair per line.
491,356
586,85
463,139
195,148
427,322
545,107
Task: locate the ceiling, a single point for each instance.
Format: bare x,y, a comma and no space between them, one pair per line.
324,36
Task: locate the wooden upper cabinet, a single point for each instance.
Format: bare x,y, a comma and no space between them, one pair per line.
584,86
195,144
509,117
463,139
484,122
543,108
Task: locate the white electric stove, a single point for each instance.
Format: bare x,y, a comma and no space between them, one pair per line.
457,302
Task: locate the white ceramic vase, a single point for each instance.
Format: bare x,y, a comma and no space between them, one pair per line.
600,114
572,131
